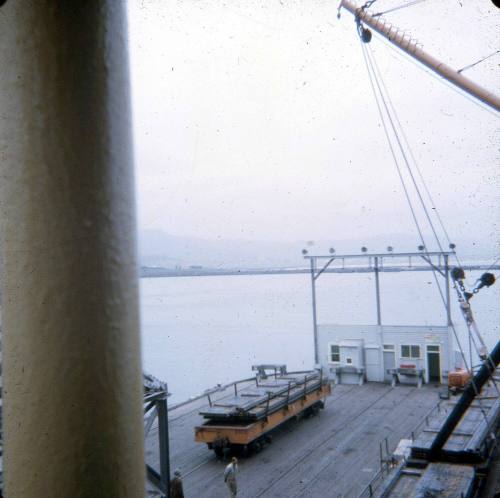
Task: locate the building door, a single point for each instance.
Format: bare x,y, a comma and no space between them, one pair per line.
433,363
389,361
372,362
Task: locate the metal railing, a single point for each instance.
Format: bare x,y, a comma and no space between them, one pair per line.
420,427
302,389
369,491
387,462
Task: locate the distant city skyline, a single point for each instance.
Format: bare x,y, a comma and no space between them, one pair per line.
256,121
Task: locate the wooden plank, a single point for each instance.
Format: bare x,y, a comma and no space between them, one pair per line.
392,416
291,444
188,455
333,454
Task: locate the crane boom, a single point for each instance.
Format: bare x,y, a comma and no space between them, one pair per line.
410,47
484,374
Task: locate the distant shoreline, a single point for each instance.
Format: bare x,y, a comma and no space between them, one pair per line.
156,272
159,272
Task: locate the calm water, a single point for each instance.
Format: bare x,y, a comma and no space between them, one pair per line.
200,331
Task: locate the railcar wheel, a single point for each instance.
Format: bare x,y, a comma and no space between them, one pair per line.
256,446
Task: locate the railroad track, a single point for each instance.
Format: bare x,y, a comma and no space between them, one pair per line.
210,456
325,441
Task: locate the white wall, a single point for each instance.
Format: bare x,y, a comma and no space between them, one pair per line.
374,336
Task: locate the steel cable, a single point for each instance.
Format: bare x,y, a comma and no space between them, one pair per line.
399,7
371,78
415,164
372,64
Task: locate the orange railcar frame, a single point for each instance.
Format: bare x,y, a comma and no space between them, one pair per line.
245,434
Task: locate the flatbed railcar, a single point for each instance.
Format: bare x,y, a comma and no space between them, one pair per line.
243,422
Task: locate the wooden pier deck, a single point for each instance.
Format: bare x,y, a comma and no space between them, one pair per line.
332,455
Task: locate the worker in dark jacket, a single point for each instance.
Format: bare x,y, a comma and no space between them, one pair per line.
176,486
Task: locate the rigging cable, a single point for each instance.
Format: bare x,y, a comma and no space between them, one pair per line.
403,55
412,156
393,153
421,177
471,325
372,68
375,65
478,62
403,6
375,75
369,70
410,204
367,58
494,263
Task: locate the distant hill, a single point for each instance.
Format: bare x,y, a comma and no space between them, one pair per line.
157,248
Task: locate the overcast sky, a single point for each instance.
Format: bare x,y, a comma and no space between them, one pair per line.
255,119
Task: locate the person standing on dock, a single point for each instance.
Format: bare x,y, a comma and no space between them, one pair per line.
230,477
176,490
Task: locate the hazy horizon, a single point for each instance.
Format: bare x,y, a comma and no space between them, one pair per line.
256,121
158,248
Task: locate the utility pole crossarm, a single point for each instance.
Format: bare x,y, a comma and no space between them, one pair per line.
410,47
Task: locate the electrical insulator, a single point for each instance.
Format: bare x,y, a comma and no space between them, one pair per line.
457,273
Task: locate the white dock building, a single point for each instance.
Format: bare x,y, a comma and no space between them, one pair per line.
382,353
353,354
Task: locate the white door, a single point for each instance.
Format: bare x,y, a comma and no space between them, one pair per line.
372,362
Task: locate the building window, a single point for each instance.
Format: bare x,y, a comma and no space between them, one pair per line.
348,361
388,347
334,353
410,352
434,349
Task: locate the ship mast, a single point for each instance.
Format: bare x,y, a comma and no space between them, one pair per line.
399,39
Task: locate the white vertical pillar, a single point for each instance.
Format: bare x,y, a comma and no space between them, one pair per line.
72,370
